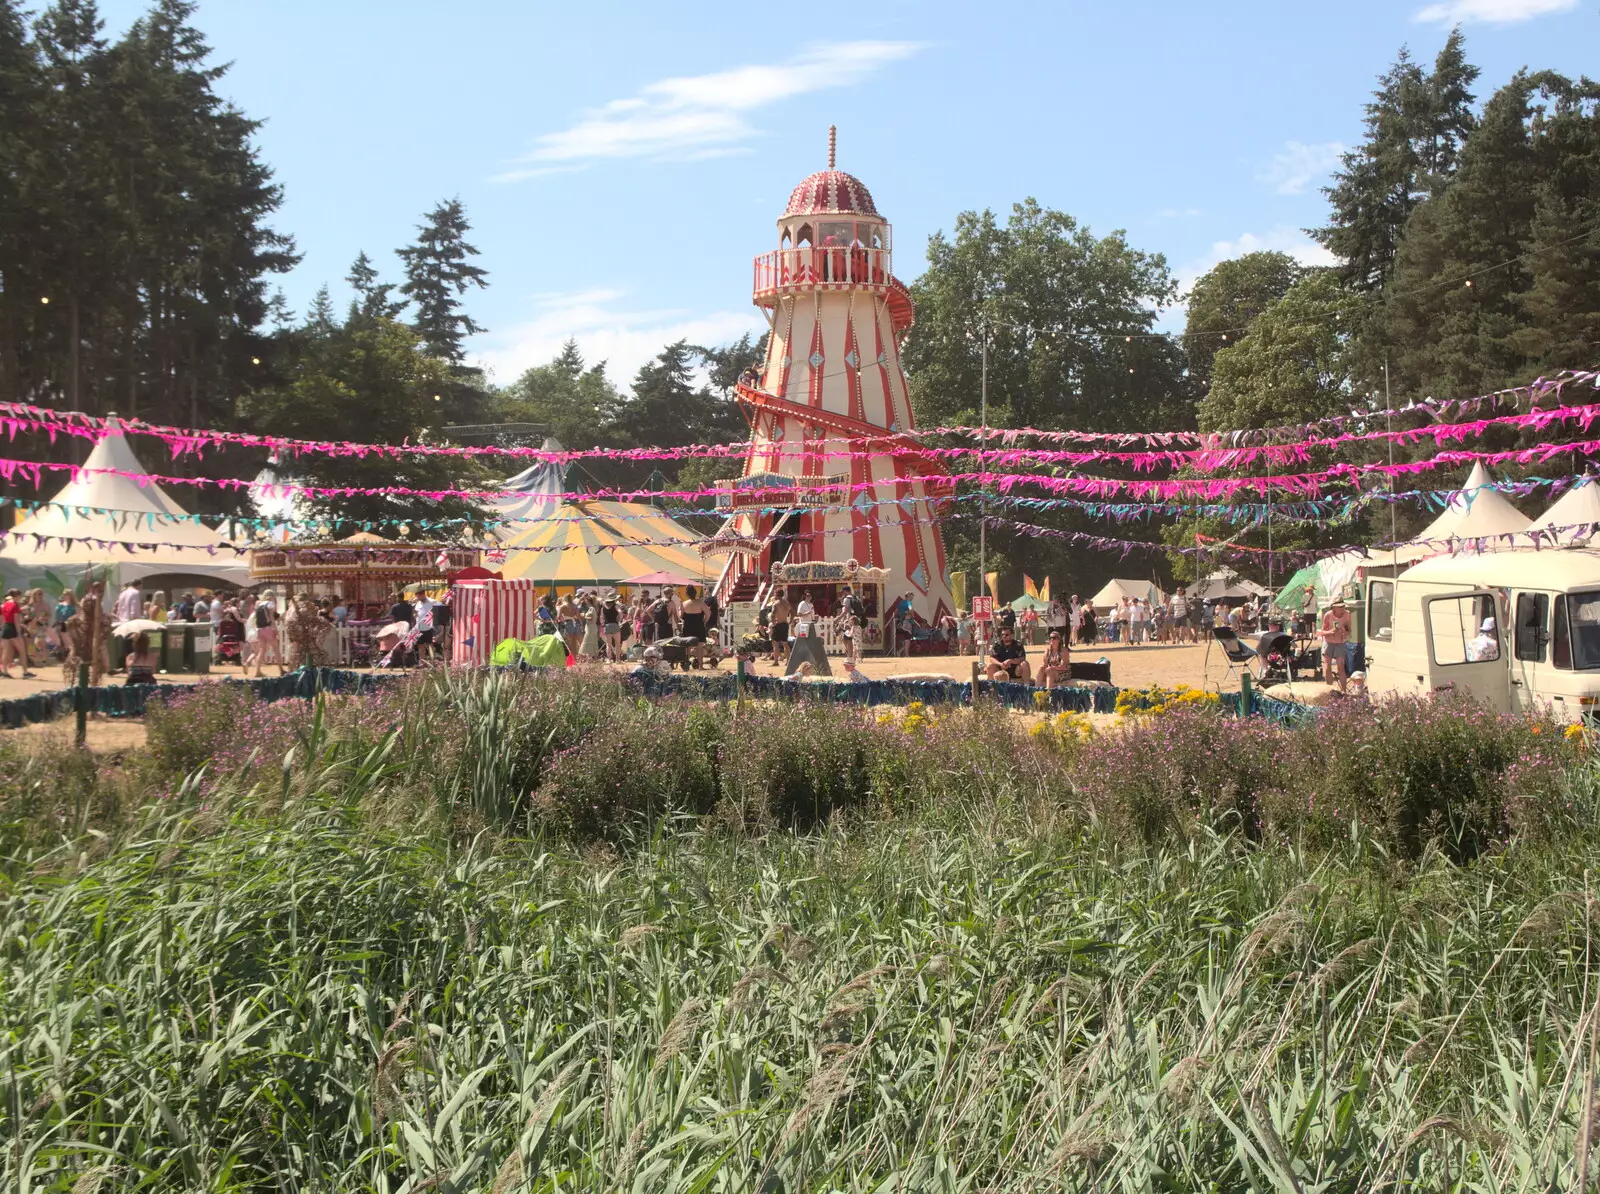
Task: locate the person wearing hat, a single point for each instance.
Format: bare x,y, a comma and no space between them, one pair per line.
1335,634
1485,647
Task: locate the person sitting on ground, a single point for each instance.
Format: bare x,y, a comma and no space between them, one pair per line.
1056,666
141,662
1008,659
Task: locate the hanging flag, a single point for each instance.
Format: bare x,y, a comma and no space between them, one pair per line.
992,579
495,555
1044,590
442,560
1029,587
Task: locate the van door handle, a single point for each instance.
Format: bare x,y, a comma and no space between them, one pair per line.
1516,684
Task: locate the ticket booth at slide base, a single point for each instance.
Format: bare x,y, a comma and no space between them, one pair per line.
823,583
487,612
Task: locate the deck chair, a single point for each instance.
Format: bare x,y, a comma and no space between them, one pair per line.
1238,654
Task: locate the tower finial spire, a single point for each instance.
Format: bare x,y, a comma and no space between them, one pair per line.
833,144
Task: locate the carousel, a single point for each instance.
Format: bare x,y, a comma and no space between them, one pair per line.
365,570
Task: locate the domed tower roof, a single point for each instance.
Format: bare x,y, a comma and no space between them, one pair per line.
831,191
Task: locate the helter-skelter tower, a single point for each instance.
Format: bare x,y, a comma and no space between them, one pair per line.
830,410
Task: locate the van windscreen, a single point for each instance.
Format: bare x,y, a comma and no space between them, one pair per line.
1583,611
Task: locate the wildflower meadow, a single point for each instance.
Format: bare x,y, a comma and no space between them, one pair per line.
507,932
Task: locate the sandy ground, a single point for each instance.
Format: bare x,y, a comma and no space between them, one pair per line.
1131,667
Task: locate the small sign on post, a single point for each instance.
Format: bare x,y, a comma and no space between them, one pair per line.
983,609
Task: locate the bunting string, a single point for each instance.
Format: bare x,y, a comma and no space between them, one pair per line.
1144,451
1301,485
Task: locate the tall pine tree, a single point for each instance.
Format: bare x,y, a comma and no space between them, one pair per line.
1416,124
439,271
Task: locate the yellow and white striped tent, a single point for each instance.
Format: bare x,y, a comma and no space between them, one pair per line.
589,543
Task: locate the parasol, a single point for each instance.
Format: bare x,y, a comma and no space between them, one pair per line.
661,578
135,626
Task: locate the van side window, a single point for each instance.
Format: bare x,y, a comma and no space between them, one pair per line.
1560,637
1462,629
1380,609
1533,610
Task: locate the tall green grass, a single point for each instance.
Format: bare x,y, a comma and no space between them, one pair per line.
271,981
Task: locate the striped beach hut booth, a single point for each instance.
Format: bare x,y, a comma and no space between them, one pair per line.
486,612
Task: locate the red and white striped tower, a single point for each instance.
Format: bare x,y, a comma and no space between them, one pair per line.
833,384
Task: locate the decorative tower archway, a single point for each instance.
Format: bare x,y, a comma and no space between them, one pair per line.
830,410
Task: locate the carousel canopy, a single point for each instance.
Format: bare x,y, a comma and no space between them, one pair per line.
138,528
602,543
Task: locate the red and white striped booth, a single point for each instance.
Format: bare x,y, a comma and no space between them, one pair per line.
486,612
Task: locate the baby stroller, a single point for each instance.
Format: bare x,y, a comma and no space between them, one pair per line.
230,641
1275,650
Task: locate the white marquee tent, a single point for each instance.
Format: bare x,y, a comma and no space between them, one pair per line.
1574,511
1116,590
93,520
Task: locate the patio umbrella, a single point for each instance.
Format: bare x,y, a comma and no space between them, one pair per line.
135,626
661,578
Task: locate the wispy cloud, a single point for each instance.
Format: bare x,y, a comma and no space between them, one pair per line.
1178,213
1293,169
1491,12
606,329
698,116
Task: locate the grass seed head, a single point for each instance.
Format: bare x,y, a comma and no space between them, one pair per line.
634,934
679,1032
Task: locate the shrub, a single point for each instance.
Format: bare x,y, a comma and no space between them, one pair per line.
646,762
1158,777
1410,769
192,729
794,769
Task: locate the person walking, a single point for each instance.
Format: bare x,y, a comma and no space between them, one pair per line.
694,624
265,620
129,604
611,628
853,620
778,614
590,609
12,643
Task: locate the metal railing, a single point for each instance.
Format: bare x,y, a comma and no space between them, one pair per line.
801,268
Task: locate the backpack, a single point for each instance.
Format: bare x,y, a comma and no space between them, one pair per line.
263,617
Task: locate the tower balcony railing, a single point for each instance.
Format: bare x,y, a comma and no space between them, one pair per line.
788,271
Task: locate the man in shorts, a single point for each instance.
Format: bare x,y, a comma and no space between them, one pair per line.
1008,659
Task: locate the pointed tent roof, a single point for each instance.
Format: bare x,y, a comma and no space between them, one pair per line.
535,492
1475,512
101,505
1578,506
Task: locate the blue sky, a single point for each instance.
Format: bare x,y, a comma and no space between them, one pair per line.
622,162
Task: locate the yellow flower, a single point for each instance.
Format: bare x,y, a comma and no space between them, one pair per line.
915,708
1041,699
1575,733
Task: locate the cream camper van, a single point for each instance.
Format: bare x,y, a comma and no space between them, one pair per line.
1515,628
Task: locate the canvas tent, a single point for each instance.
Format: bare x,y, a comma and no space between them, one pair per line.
1575,512
111,523
1116,590
1227,585
1026,603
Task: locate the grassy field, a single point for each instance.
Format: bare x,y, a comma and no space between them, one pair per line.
408,945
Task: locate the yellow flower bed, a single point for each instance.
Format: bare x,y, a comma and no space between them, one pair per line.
1156,700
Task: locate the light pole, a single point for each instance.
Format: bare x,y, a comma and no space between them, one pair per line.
983,487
